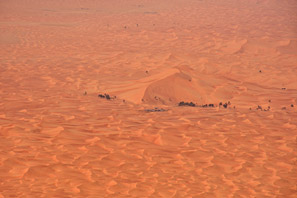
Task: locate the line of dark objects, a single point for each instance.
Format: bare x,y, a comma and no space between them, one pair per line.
268,108
156,109
106,96
191,104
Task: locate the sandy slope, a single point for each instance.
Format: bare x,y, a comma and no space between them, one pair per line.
57,141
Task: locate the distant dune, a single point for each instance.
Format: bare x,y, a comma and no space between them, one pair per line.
175,85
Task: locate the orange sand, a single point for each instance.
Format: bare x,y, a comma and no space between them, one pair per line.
55,141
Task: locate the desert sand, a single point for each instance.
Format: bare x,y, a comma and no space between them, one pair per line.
59,139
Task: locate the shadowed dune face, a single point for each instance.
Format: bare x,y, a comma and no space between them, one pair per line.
59,139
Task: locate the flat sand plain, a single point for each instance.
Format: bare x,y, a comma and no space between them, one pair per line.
59,139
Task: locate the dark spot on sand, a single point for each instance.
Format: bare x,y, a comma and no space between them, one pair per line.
259,108
107,97
101,96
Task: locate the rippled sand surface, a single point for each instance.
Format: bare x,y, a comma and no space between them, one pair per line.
59,139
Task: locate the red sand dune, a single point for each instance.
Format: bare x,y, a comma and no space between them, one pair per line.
59,139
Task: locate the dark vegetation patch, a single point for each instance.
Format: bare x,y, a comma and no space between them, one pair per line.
190,104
